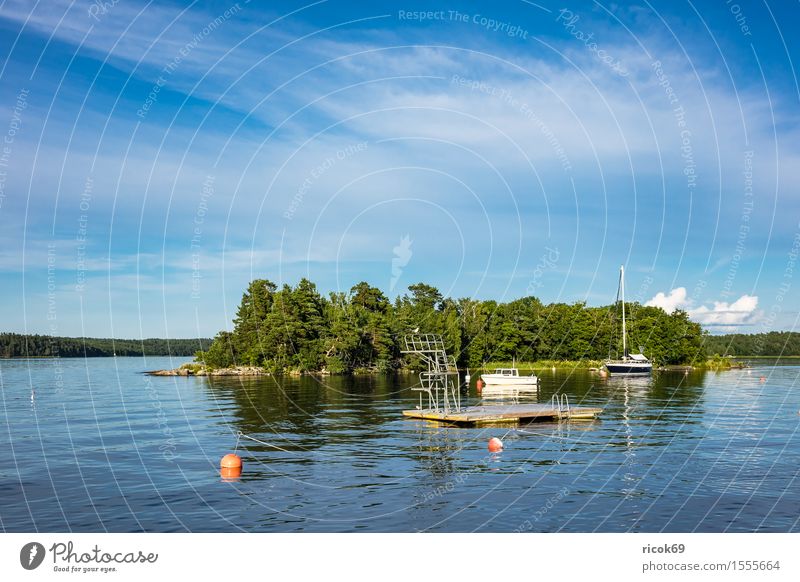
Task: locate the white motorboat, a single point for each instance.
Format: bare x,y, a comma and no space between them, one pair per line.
508,377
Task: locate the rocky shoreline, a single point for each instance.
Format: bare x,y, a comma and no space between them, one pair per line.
193,370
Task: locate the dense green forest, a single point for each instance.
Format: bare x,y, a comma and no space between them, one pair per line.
296,328
773,343
14,345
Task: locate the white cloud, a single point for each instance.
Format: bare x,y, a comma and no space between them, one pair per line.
669,303
740,312
722,316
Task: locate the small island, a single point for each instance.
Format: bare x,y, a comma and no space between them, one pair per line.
295,330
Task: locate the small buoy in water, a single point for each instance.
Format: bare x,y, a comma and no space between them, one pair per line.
466,378
230,474
554,368
495,445
479,384
762,379
230,466
603,373
231,461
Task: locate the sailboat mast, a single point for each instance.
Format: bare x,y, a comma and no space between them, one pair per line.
624,331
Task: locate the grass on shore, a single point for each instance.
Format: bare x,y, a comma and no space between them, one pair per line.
717,363
543,364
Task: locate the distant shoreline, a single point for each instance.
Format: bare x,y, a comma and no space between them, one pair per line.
82,357
20,346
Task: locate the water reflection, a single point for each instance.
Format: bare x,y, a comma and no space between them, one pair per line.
675,452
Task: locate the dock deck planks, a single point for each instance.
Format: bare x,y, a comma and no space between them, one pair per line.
472,415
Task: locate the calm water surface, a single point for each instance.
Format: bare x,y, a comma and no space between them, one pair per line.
94,445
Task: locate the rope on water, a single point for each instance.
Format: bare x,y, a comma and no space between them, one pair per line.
241,435
551,436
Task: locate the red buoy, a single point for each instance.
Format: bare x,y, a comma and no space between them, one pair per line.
495,445
479,385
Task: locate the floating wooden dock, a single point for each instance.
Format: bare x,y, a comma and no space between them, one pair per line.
511,413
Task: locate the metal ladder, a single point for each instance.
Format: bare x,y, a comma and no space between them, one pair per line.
560,403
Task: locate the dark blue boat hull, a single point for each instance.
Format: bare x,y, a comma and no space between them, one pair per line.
628,369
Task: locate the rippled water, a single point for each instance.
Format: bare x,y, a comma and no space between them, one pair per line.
94,445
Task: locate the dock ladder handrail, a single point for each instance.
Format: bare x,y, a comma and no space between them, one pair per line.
560,402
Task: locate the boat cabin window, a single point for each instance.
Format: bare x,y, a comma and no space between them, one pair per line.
507,372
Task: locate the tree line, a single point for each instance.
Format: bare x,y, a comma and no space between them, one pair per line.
296,328
773,343
15,345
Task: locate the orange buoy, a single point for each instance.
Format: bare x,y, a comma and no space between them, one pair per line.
230,474
230,467
479,384
231,461
495,445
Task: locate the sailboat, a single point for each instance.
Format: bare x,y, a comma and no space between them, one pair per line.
630,363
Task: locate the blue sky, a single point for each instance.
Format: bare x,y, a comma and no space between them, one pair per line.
158,156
